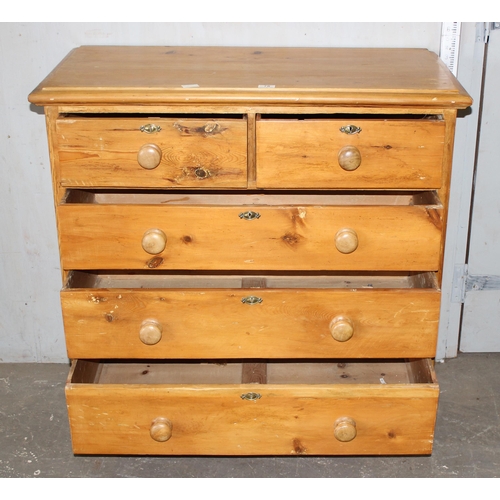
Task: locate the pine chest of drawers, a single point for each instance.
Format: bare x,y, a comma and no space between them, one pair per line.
251,244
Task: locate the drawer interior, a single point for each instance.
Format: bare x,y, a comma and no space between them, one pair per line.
144,116
351,116
270,198
334,280
373,372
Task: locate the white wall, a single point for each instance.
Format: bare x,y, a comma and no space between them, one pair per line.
30,320
470,75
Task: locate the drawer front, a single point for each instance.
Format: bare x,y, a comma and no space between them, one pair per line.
252,419
114,152
281,238
254,323
385,154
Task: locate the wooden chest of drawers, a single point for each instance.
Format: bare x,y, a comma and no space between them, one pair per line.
251,244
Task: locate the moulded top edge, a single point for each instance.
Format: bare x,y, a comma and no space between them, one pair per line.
225,97
142,75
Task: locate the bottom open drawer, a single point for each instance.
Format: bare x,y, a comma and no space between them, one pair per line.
275,408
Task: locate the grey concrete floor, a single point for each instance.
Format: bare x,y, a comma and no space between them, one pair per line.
35,439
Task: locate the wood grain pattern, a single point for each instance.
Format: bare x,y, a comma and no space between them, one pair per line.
200,153
287,238
450,116
228,75
257,246
287,419
288,323
395,154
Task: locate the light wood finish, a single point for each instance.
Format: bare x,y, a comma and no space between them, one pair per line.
185,152
371,237
319,280
270,221
210,417
444,192
286,110
391,154
233,75
252,167
287,238
251,199
296,320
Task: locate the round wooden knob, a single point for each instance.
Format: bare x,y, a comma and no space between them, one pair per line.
149,156
161,429
346,240
344,429
154,241
150,332
349,158
341,328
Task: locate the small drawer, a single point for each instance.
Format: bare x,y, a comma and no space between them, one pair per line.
180,316
142,152
381,232
350,153
285,408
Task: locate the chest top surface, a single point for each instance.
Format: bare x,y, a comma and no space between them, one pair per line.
251,75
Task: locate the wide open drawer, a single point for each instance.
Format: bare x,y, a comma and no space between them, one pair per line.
178,316
350,153
379,232
241,409
139,152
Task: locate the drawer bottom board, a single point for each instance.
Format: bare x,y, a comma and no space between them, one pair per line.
285,408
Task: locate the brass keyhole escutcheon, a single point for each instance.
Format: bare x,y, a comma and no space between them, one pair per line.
251,396
150,128
350,129
249,215
252,299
